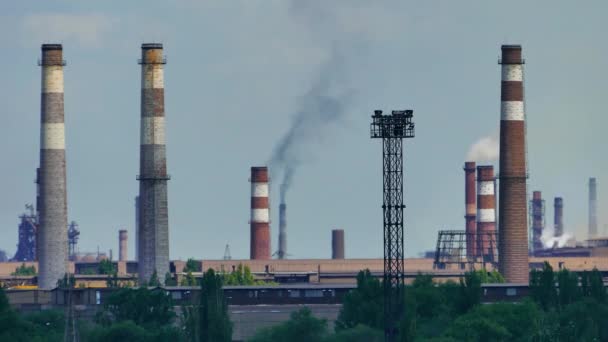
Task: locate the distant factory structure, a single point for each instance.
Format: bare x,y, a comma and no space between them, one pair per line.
537,218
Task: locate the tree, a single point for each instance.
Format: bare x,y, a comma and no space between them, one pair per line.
150,309
154,280
169,281
542,287
240,276
568,287
192,266
106,266
596,286
214,323
24,270
301,327
189,280
363,305
469,294
360,333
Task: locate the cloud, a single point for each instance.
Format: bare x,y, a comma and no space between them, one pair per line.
84,29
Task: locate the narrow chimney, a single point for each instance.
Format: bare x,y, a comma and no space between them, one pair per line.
558,218
592,207
538,220
153,239
53,221
486,212
260,214
470,201
513,216
122,245
337,244
282,253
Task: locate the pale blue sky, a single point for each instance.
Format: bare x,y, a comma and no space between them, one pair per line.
235,72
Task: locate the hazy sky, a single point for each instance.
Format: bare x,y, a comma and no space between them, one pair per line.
239,71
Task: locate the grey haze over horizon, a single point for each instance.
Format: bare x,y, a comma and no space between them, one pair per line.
236,74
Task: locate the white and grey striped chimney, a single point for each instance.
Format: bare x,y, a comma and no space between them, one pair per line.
52,244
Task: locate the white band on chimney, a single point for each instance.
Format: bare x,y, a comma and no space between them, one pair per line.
52,136
260,215
259,189
52,79
512,72
485,188
486,215
152,77
153,130
512,110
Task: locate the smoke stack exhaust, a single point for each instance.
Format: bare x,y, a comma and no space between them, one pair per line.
153,239
260,214
52,234
558,217
282,253
538,220
513,237
337,244
486,211
122,245
470,202
592,207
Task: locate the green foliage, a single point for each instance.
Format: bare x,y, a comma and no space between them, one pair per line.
469,294
106,266
112,280
364,305
43,326
301,327
24,270
146,308
360,333
189,280
67,281
214,323
493,277
128,331
154,281
241,276
169,280
542,287
192,266
569,291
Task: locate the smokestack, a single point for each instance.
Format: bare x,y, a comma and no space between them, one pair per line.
513,237
486,212
282,253
153,214
136,228
538,220
260,214
592,207
122,245
53,234
470,201
337,244
558,218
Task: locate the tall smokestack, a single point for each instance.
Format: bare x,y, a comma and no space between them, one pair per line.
558,217
337,244
470,201
538,220
486,212
122,245
136,228
153,213
282,253
260,214
592,207
513,237
53,235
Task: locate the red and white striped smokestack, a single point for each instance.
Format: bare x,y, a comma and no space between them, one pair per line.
486,211
470,201
513,237
260,214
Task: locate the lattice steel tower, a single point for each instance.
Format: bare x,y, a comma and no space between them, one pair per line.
392,129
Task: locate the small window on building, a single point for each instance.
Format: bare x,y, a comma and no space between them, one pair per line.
511,291
294,293
313,293
97,297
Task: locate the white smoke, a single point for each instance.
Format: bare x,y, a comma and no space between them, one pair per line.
550,241
485,149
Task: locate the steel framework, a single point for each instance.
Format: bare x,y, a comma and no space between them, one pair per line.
452,249
392,129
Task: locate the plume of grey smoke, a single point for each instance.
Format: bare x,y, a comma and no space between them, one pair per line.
486,149
322,106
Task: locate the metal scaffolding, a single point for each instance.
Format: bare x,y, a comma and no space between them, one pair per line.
392,129
452,249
